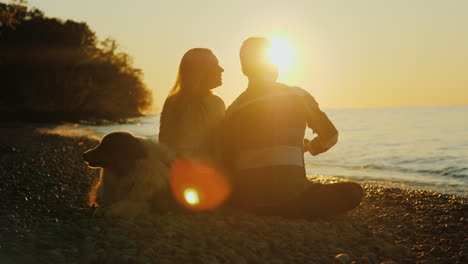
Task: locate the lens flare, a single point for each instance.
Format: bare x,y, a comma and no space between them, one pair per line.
197,185
191,196
281,53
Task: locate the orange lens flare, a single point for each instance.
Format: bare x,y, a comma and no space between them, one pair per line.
197,185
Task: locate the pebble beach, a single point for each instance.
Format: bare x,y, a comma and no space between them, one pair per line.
45,218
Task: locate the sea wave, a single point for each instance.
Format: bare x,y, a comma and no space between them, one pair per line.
456,172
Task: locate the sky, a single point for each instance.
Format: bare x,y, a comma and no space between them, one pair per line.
347,54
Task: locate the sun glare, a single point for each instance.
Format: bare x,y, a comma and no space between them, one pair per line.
191,196
281,53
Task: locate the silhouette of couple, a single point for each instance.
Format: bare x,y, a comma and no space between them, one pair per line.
259,139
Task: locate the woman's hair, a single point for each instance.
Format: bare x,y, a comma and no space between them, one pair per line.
192,69
187,89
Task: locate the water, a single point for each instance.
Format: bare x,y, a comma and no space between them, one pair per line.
415,147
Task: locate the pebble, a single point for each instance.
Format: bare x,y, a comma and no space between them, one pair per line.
396,251
61,226
429,261
130,251
364,260
342,258
43,244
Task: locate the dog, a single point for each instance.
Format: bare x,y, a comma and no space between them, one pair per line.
134,175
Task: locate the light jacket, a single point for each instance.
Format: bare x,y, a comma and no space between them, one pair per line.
186,127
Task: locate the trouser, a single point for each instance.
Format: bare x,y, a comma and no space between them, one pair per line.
284,190
318,200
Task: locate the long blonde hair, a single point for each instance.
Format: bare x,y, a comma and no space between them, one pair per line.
186,91
192,69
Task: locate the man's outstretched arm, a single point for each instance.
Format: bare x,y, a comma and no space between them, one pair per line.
327,135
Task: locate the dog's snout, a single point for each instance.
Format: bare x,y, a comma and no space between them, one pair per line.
93,158
85,155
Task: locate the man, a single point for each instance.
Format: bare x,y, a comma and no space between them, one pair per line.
263,137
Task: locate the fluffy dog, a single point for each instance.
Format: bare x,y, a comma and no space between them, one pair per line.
134,175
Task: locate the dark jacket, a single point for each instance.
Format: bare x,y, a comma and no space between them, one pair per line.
263,135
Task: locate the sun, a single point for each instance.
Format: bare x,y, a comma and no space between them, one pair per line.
281,53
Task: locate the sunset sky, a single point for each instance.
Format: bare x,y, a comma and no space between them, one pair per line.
361,53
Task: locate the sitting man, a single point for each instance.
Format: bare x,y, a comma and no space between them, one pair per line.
263,145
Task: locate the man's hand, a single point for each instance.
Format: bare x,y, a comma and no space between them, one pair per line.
306,144
313,146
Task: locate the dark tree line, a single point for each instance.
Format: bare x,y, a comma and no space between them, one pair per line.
52,70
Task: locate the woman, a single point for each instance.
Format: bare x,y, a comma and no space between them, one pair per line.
188,120
192,111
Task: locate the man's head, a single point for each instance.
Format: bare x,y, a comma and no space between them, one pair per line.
254,59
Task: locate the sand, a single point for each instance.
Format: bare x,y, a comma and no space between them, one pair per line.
44,218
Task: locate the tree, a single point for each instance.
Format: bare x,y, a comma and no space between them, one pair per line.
55,70
8,15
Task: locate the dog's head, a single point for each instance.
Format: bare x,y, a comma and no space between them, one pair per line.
116,150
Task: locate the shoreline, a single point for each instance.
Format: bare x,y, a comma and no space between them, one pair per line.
385,179
388,184
45,219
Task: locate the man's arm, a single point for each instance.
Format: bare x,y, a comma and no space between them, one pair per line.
327,135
